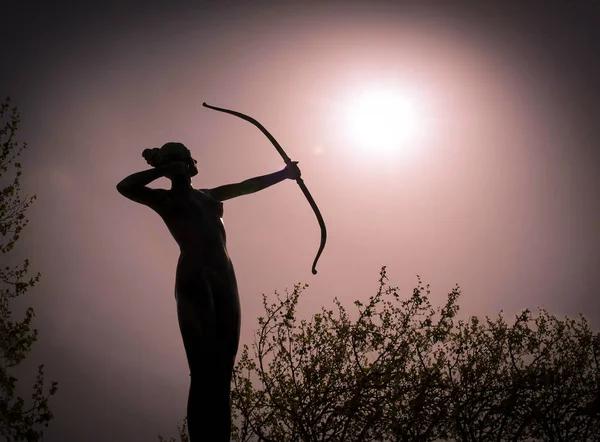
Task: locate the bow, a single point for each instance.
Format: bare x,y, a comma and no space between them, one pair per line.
299,180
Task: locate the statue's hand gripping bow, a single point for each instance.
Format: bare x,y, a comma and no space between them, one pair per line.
288,161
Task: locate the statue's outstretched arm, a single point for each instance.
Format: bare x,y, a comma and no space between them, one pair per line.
252,185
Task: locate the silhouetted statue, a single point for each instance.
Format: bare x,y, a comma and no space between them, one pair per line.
208,307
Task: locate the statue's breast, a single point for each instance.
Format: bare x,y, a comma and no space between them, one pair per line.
194,204
194,220
215,206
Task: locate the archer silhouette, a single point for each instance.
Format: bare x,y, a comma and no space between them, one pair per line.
208,306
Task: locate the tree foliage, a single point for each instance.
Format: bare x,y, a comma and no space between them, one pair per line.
19,421
405,371
181,430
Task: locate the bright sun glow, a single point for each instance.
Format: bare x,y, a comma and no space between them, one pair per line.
383,121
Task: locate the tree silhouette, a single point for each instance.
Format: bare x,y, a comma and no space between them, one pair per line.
405,371
18,421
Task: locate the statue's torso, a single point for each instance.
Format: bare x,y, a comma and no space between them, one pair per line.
195,222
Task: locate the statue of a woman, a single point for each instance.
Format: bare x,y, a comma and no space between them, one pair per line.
208,307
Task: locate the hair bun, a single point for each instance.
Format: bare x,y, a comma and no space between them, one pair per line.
151,156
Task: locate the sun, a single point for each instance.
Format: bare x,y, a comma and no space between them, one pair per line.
383,120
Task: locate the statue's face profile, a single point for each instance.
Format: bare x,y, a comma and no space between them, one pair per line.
173,151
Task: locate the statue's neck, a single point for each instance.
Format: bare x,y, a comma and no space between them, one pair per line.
181,184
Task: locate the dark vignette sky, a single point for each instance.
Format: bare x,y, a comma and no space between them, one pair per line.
502,198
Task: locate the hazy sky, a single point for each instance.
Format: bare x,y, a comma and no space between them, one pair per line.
495,186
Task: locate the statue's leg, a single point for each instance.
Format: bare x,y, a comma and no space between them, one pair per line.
228,316
195,313
209,324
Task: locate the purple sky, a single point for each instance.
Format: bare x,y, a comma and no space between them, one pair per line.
501,195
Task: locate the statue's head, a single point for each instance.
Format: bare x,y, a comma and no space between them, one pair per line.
170,152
